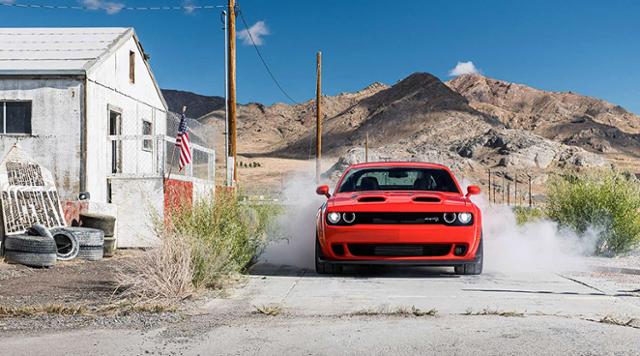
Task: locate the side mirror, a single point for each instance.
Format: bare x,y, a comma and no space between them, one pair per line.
473,190
323,190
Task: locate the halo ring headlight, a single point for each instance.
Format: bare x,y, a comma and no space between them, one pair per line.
349,217
464,218
333,217
449,218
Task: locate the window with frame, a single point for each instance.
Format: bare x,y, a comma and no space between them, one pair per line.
147,130
132,67
15,117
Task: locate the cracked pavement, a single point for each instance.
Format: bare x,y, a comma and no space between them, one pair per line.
494,313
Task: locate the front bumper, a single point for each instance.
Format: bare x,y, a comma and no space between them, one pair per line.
335,242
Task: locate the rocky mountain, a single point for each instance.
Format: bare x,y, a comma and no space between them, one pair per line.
197,105
470,123
573,119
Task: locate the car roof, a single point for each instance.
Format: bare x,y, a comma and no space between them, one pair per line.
399,164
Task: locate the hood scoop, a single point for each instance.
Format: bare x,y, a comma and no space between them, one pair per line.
371,199
426,200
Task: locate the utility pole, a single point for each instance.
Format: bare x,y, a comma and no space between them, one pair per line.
231,86
366,147
228,172
318,114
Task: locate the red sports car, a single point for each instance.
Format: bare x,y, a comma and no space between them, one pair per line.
399,213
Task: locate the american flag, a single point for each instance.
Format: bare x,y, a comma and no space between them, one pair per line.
182,141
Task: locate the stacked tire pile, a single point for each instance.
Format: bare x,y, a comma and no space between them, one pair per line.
42,247
105,223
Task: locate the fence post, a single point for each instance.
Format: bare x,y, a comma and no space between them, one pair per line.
489,185
530,198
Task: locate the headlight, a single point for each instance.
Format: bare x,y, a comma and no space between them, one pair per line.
449,218
333,217
349,217
464,218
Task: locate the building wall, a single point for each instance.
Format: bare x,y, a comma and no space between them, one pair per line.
57,106
108,87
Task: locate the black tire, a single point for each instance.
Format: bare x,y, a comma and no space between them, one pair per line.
31,259
30,243
91,253
39,230
67,245
91,241
110,246
472,268
28,250
323,267
106,223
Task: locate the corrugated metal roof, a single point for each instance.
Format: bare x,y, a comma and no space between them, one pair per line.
54,50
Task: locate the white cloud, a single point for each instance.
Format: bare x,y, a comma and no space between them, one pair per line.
189,6
111,7
257,31
464,68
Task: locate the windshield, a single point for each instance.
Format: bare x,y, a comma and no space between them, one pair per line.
403,178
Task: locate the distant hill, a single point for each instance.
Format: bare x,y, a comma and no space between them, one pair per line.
197,105
570,118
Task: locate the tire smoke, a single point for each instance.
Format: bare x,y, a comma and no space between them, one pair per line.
295,243
508,247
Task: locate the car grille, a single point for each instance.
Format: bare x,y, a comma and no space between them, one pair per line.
399,218
399,250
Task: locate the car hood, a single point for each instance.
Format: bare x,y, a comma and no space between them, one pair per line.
398,201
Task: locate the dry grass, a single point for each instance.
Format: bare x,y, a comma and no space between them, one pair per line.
398,311
164,273
270,310
46,309
116,309
632,323
495,312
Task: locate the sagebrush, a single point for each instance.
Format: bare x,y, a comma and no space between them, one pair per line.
607,202
202,245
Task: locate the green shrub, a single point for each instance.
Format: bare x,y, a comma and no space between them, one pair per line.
525,214
607,202
224,234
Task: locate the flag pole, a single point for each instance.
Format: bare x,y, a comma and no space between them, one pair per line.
173,152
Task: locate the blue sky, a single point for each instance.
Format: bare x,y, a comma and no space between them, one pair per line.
589,47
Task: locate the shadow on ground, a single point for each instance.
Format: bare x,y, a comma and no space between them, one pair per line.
265,269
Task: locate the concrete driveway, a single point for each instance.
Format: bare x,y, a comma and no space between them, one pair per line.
385,311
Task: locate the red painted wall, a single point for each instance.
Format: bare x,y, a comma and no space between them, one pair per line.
177,194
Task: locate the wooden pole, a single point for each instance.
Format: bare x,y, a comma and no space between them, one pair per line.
318,114
530,198
366,147
515,187
231,81
504,183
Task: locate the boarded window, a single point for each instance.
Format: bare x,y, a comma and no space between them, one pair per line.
147,130
132,67
15,117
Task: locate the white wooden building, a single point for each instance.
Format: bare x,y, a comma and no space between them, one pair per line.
85,104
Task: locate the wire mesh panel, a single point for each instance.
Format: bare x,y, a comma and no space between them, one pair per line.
153,156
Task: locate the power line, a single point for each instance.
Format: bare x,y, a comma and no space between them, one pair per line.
114,7
266,66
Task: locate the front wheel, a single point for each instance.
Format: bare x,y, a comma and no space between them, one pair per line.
324,267
474,268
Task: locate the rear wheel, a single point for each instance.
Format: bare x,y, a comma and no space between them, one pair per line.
474,268
324,267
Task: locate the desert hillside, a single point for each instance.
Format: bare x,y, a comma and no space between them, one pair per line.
471,123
